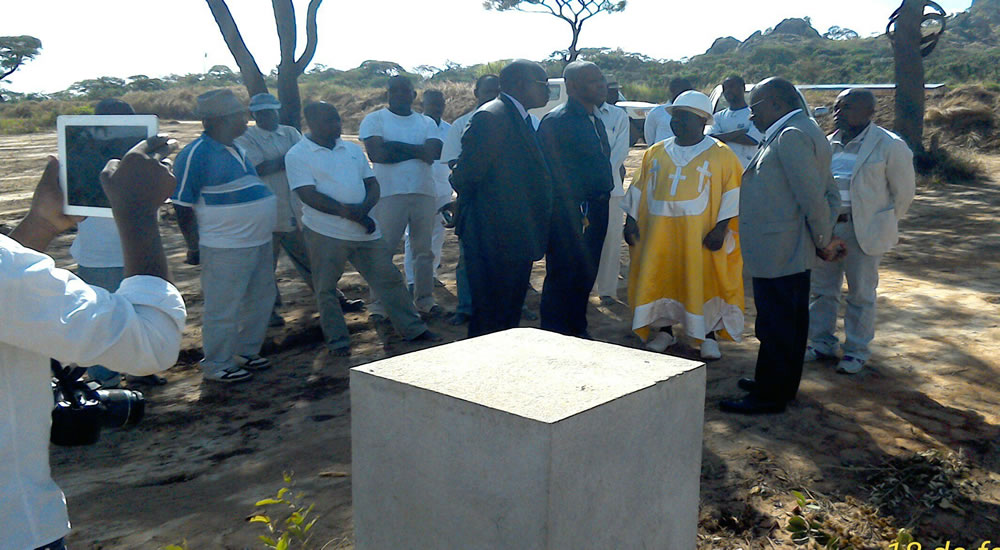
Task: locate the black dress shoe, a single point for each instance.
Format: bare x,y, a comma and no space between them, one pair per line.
458,319
352,306
752,404
747,384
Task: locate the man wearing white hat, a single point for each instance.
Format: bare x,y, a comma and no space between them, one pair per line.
227,215
682,207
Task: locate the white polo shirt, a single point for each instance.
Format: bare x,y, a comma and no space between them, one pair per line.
338,173
729,121
410,176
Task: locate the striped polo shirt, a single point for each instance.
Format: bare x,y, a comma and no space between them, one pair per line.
234,208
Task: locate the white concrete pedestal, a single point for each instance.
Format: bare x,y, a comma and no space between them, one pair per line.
526,440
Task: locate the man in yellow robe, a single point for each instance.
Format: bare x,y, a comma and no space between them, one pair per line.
686,265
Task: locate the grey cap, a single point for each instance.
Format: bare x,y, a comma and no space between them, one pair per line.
218,103
261,102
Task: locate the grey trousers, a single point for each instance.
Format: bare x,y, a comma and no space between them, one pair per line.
295,247
862,280
393,214
373,260
108,278
238,288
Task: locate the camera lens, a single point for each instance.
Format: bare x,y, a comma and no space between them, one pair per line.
121,408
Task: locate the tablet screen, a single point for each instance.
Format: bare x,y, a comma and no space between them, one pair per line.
86,144
88,149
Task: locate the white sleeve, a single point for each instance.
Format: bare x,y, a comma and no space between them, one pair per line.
297,170
252,152
649,128
619,141
452,147
371,126
51,312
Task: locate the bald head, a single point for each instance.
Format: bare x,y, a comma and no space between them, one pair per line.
526,82
853,111
487,88
324,123
585,83
401,95
779,90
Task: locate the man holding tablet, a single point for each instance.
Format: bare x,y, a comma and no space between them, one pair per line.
227,214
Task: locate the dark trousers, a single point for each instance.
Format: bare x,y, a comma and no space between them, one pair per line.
497,285
782,327
571,264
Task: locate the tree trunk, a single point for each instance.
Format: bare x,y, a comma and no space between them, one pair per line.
572,53
253,79
909,74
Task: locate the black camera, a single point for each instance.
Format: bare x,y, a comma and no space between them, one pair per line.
81,409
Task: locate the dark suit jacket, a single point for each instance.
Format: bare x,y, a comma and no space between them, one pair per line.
580,168
503,184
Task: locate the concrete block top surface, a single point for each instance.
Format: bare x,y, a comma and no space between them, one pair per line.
531,373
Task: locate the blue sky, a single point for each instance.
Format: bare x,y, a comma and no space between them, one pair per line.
158,37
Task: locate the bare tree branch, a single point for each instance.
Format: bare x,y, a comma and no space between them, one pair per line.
573,12
253,79
284,20
312,36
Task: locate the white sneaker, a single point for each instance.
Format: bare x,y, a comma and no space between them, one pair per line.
228,375
850,365
660,341
813,354
710,349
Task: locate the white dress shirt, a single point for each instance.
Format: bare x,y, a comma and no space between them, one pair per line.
617,126
48,312
657,125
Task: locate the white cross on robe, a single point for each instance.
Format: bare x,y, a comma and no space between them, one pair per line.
676,177
703,175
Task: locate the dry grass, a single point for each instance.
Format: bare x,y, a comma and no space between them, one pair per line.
966,117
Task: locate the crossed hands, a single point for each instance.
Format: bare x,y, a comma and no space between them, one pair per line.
356,213
836,250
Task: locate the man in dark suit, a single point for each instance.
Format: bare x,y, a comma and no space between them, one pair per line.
575,143
504,198
788,206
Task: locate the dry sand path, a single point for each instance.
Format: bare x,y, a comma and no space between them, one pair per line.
193,469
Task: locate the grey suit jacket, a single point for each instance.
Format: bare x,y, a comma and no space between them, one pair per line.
788,201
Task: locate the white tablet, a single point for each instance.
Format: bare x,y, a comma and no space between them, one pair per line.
86,144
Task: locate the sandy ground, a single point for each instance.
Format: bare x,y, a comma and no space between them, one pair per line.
913,441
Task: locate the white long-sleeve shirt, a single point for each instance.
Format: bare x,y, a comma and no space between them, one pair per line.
50,313
617,126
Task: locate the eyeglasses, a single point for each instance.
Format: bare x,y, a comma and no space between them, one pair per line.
756,103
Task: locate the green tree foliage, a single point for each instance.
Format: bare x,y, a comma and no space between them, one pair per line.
15,51
574,12
98,88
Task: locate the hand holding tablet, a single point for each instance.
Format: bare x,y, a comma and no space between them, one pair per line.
87,143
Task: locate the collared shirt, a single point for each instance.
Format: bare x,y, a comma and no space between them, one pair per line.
440,170
49,312
618,127
410,176
234,207
579,162
844,157
657,126
731,120
774,128
520,108
262,145
452,147
338,173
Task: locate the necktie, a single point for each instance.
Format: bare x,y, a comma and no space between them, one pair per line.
602,136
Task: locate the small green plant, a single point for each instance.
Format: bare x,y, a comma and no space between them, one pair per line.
806,526
286,518
182,546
